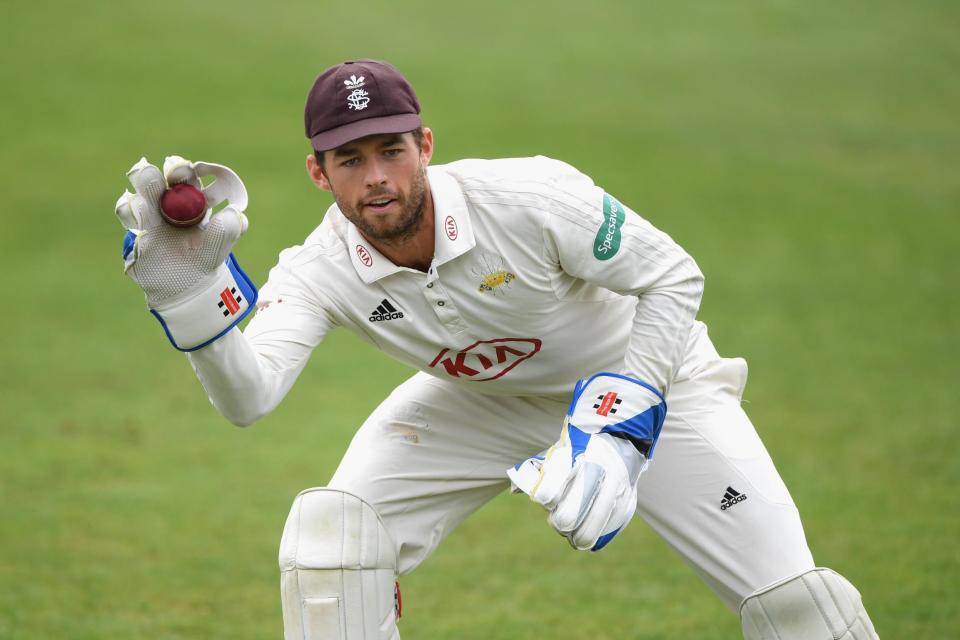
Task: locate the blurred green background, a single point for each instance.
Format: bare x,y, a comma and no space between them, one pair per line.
806,153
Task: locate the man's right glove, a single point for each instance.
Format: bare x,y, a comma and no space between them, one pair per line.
192,282
588,480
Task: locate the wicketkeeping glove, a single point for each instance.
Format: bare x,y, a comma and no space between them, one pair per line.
192,282
588,480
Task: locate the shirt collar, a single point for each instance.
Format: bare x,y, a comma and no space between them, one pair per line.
453,231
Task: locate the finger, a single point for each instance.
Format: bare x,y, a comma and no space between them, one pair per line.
556,474
601,514
124,211
524,476
227,185
578,501
177,170
134,213
222,233
619,520
149,185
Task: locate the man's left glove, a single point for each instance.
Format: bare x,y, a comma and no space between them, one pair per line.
192,282
588,480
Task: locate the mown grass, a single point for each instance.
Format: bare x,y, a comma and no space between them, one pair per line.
805,153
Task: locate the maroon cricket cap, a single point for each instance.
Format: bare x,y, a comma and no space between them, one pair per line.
359,98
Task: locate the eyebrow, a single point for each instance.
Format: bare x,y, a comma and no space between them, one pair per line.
349,151
344,151
392,140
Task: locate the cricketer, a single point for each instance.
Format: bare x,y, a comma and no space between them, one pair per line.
558,351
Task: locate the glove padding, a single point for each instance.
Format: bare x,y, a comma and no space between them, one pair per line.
588,480
192,282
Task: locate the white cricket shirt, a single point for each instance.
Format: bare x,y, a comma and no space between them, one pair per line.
538,279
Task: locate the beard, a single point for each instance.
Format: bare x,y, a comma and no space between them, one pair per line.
398,226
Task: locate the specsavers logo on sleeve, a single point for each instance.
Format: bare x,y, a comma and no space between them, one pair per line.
607,242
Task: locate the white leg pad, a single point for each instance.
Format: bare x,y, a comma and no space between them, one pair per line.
338,568
817,605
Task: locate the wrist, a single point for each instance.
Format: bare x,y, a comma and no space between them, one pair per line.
210,310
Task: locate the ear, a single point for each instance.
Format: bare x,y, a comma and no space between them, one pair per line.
316,173
426,148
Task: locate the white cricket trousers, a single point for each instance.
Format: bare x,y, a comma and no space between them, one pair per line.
433,452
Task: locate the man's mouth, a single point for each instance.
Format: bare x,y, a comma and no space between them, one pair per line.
379,204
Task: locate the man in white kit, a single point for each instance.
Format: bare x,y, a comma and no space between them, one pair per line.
509,284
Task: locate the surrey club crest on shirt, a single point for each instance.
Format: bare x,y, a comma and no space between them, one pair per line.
493,276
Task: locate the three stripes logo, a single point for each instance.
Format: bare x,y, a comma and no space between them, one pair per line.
607,403
385,311
230,301
731,497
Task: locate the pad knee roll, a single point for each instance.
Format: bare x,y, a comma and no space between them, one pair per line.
817,605
338,569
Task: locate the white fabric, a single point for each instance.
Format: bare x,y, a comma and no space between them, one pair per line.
181,270
551,312
338,568
432,453
817,605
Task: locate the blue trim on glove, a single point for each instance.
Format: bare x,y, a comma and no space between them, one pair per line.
578,441
577,391
129,242
247,288
605,539
643,429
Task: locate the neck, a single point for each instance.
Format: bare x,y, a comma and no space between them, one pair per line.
413,250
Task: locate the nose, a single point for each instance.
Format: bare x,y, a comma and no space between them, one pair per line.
376,173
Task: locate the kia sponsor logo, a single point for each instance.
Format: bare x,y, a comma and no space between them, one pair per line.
486,360
364,255
450,226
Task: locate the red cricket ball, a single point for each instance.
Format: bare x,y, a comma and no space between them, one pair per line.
183,205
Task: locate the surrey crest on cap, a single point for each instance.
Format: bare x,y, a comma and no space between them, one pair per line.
359,98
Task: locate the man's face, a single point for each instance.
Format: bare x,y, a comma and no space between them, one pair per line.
379,182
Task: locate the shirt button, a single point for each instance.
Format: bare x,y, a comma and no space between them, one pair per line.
440,303
429,285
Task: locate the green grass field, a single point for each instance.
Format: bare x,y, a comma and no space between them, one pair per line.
806,153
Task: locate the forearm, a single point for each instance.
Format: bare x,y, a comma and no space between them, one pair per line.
661,325
242,384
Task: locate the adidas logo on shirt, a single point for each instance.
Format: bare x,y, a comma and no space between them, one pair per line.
385,311
730,498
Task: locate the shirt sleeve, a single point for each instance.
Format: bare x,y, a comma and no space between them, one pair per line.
595,238
247,374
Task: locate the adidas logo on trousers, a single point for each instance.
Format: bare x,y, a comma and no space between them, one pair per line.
730,498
